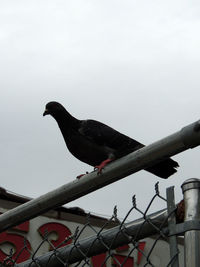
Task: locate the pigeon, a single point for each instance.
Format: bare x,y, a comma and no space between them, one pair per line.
97,144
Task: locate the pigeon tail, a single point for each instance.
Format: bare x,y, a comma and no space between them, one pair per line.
164,169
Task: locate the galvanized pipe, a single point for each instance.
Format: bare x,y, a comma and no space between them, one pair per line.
186,138
191,191
113,238
171,207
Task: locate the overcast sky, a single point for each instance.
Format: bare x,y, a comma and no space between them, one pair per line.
133,65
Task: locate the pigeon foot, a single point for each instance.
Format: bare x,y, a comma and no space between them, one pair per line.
81,175
102,165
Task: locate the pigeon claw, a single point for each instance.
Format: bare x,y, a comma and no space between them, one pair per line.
81,175
102,165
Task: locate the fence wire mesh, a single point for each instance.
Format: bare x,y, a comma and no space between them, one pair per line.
123,245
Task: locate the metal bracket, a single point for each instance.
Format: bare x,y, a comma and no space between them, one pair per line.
184,227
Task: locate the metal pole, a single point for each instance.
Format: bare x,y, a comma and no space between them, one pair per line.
191,191
186,138
94,245
171,207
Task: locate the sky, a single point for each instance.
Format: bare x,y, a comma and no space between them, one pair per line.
133,65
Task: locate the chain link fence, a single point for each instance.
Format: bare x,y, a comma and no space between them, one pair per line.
151,240
122,245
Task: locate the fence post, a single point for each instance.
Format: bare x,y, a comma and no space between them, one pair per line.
171,207
191,191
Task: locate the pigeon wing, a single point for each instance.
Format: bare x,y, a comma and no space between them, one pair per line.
103,135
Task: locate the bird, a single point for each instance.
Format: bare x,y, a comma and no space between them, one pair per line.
97,144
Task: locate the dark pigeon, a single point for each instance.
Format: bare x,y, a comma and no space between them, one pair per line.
98,144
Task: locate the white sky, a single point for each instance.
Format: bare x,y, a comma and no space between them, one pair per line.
133,65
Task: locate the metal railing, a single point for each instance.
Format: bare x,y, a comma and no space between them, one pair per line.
187,137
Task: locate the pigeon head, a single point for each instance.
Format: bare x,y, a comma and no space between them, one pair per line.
58,112
54,108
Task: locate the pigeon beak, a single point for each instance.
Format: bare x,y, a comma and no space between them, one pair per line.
46,112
